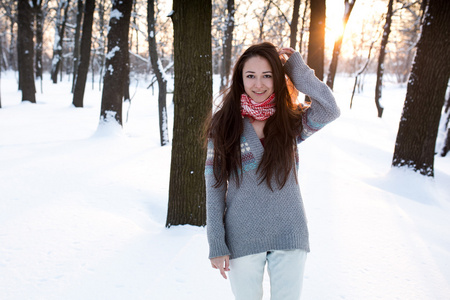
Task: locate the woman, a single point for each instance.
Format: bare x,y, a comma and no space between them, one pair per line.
255,212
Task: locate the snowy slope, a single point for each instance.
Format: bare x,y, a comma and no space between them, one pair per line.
82,211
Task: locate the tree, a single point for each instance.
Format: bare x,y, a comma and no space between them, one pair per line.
316,45
227,48
446,146
9,9
380,68
37,5
294,24
76,47
302,30
425,95
159,73
193,101
404,38
360,72
116,62
25,51
338,43
262,19
85,53
60,28
103,6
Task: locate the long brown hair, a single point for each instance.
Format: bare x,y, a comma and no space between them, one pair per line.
225,127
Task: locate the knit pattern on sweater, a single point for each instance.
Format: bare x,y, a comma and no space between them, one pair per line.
251,218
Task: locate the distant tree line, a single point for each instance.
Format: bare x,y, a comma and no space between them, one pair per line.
118,40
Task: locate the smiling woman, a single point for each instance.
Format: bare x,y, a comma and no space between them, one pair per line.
254,209
257,78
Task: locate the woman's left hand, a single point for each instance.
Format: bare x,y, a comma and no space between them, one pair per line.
222,263
285,53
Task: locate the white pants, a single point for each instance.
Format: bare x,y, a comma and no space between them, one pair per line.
285,268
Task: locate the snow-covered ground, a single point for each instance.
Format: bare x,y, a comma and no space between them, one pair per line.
82,211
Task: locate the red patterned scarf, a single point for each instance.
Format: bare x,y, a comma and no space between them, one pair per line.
258,111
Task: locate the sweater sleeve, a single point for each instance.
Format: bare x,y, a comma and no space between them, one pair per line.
215,209
323,107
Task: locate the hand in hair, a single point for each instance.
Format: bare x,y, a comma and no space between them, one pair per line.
285,53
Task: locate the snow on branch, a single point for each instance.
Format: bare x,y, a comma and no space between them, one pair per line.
116,14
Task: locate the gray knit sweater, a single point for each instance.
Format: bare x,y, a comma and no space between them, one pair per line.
251,218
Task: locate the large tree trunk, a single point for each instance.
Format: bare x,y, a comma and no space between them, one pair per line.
338,43
160,75
416,138
227,45
76,48
116,62
294,23
85,54
193,102
380,68
60,28
126,83
446,146
25,49
316,45
39,37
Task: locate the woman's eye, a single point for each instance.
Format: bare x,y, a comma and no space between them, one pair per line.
250,76
267,76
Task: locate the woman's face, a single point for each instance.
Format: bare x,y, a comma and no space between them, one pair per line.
258,78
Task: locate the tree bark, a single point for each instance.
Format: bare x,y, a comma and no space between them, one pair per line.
338,43
193,102
101,16
227,45
25,49
159,73
446,146
316,45
59,35
294,24
126,83
85,54
76,48
380,68
37,5
116,62
416,137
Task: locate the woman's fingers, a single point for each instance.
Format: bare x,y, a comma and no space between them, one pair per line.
227,263
287,50
222,263
285,53
222,271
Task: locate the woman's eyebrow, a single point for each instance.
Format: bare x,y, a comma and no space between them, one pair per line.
254,72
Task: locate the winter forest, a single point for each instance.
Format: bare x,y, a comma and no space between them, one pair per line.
102,106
